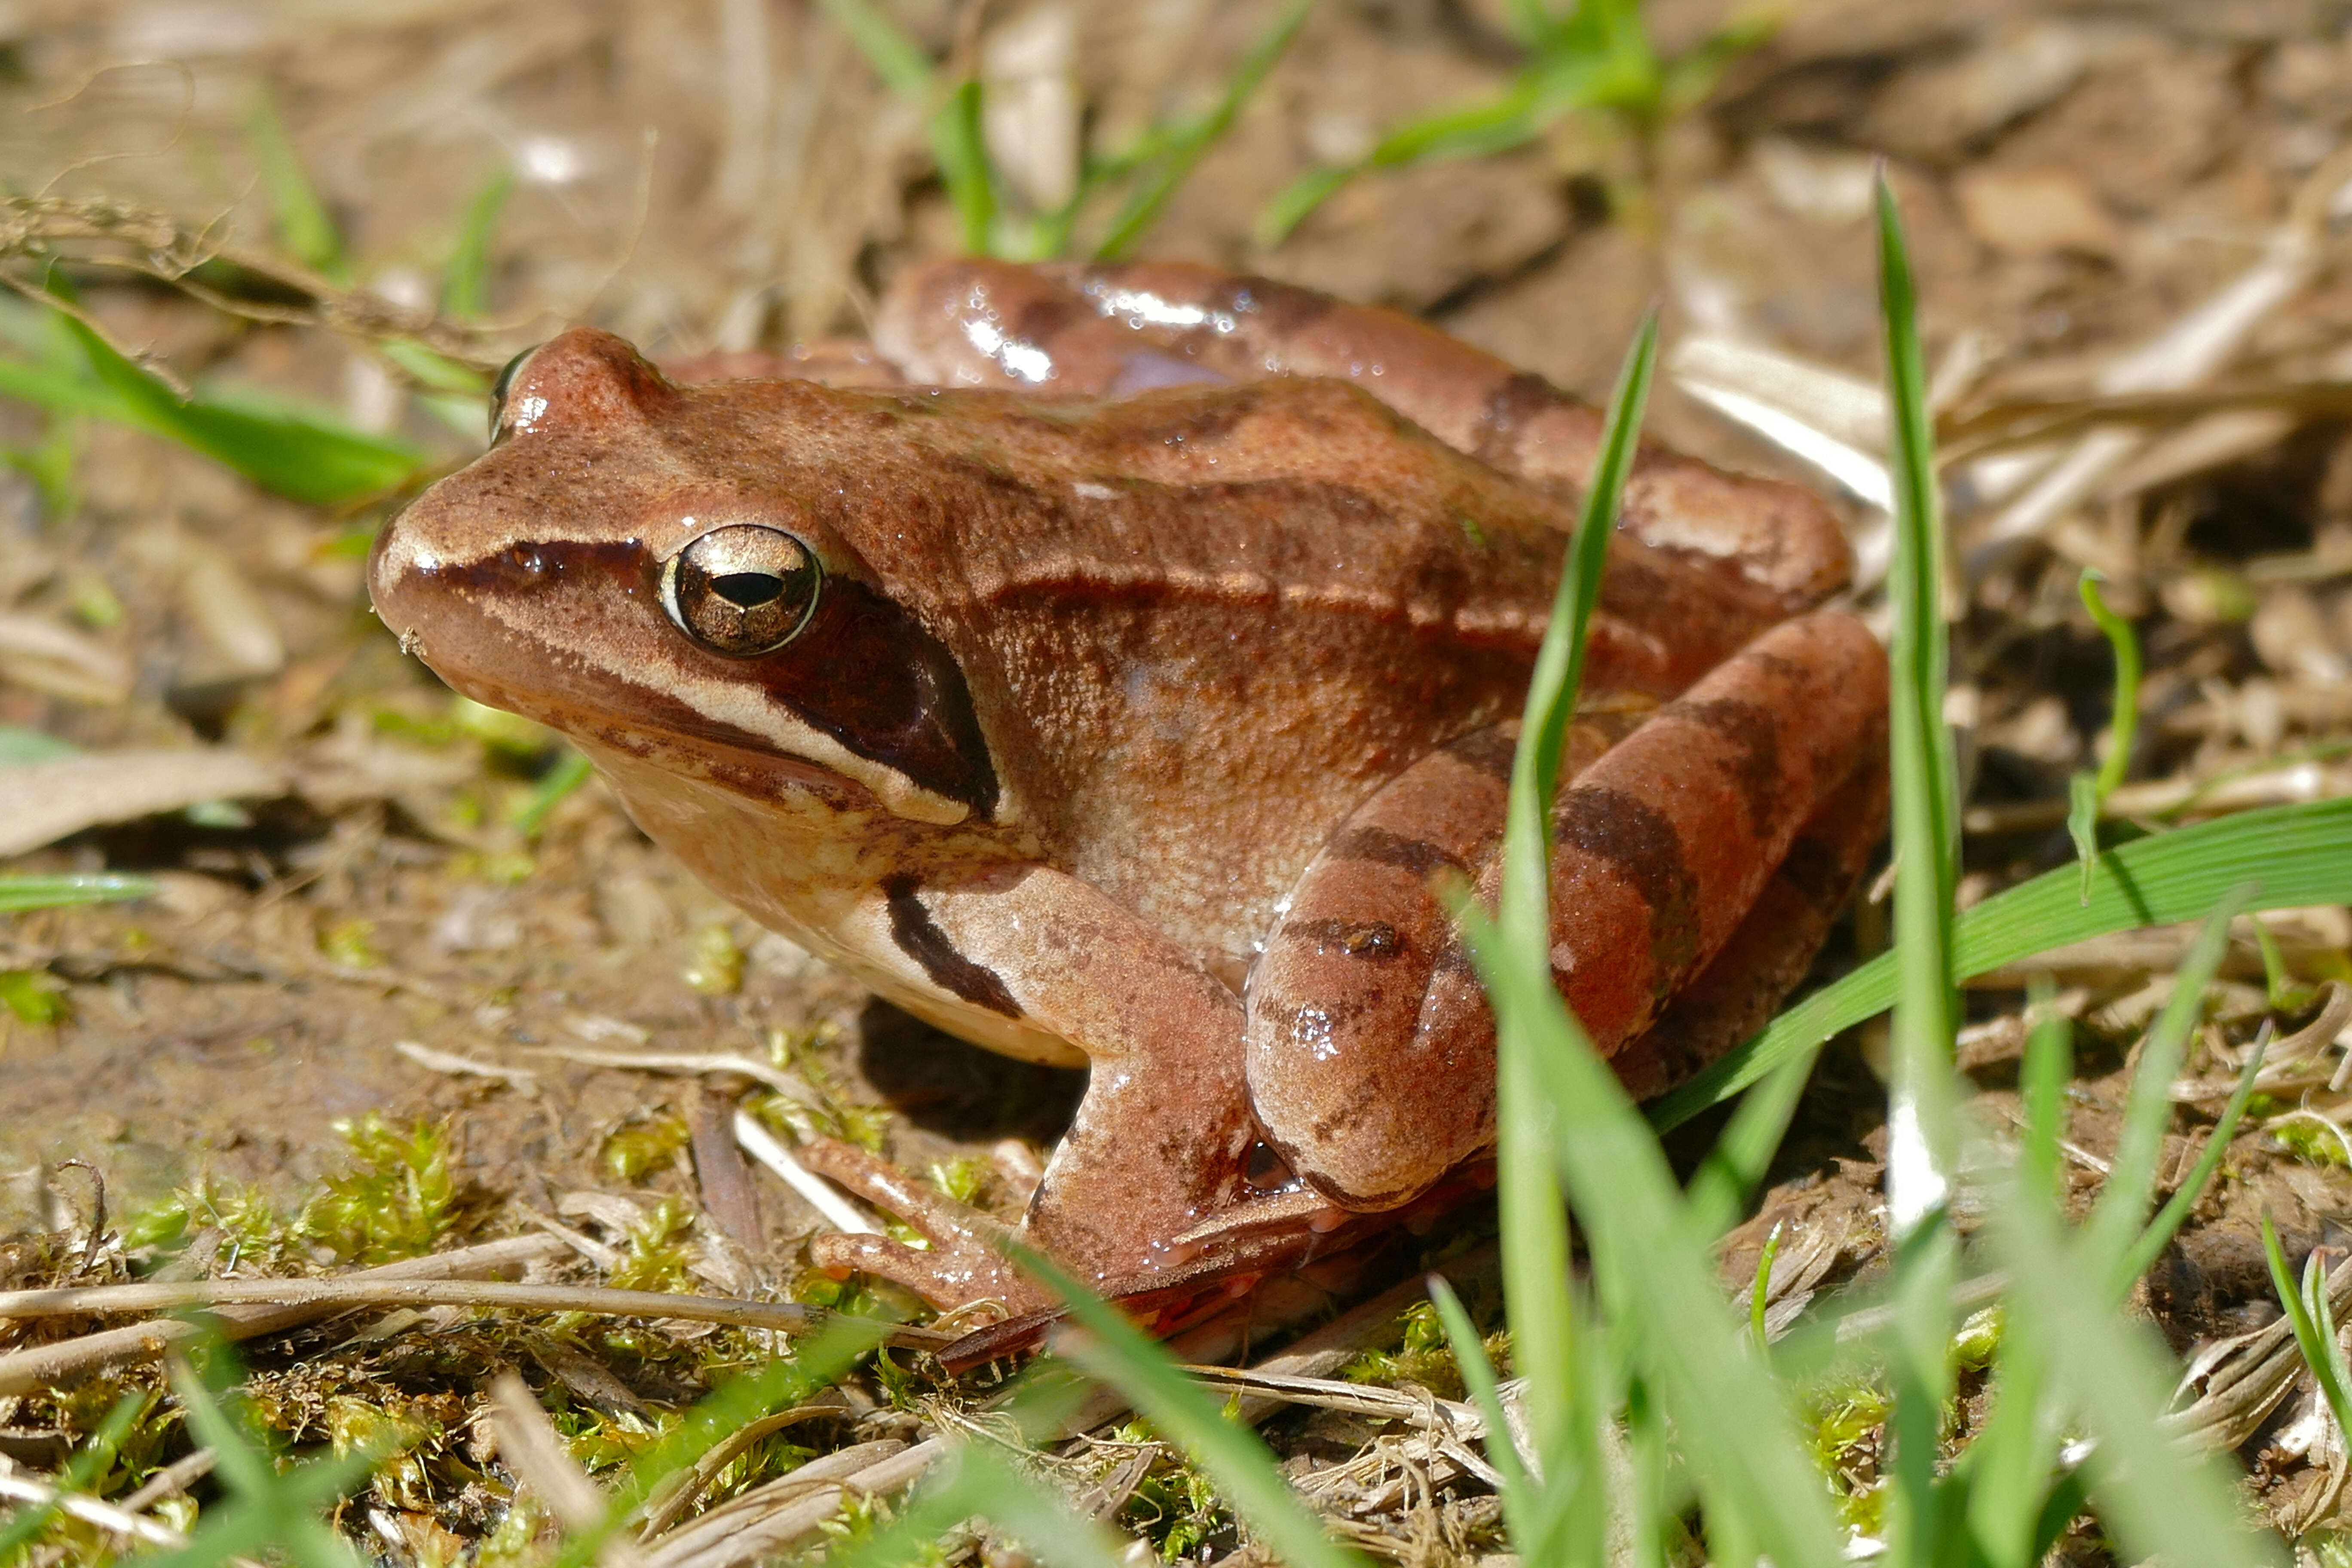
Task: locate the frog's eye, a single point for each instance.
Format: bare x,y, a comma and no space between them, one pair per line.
742,589
499,388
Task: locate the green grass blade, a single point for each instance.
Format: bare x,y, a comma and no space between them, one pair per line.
978,1482
1560,663
2048,1068
2314,1327
305,459
957,144
1654,1272
1233,1456
87,1463
1560,1100
1924,1139
1735,1167
962,152
304,226
1522,1500
1150,198
466,277
1923,1129
1687,80
2125,645
1467,132
1298,200
1534,1219
2089,791
2154,1498
896,58
440,373
2082,824
2121,1210
2175,1213
1759,1294
571,771
22,893
62,392
2298,855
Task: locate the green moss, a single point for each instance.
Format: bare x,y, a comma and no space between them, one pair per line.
637,1148
961,1180
1845,1430
396,1201
351,943
863,1126
717,967
657,1251
1978,1344
252,1228
2309,1141
34,995
1424,1356
1175,1506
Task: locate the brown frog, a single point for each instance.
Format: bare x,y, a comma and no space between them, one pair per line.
1118,693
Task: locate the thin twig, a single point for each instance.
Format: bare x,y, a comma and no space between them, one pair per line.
351,1290
69,1360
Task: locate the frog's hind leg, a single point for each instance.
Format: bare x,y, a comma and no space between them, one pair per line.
1370,1046
1773,948
1347,1083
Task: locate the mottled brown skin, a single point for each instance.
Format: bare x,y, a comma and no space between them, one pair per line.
1108,691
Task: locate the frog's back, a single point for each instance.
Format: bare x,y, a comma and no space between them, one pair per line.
1200,624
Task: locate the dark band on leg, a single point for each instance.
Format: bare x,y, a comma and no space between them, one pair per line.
1638,842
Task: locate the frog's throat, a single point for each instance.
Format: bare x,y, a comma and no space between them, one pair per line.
795,866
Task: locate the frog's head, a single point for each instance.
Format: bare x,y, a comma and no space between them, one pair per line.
631,564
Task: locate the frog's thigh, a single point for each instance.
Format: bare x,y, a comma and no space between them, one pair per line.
1370,1044
1665,845
1163,1134
1360,1096
1770,952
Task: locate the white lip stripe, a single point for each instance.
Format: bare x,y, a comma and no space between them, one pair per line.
742,706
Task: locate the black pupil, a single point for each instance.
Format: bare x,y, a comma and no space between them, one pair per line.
748,590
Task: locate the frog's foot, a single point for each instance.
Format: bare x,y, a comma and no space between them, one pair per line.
963,1268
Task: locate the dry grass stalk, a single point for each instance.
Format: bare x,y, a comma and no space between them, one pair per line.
337,1294
69,1361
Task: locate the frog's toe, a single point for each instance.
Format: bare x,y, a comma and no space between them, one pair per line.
962,1264
950,1275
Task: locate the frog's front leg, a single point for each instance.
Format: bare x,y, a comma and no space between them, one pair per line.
1163,1134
